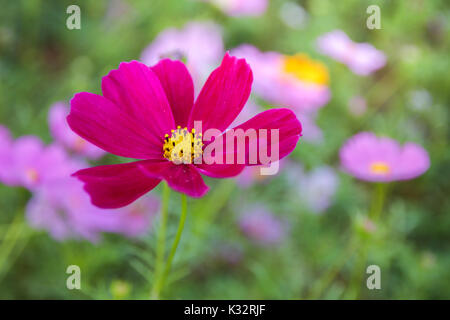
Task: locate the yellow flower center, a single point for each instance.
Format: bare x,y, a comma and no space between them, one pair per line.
32,175
306,69
80,144
380,168
183,146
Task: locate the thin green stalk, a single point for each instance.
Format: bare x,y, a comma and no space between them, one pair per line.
377,205
161,243
332,272
15,232
161,276
379,196
176,241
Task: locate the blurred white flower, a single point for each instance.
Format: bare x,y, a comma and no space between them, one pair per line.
420,100
318,187
293,15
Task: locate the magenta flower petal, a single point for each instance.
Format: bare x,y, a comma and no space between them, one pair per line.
104,124
281,119
178,86
369,158
220,170
224,94
136,89
114,186
182,178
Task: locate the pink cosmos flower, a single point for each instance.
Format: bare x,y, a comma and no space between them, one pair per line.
32,163
138,115
262,226
295,81
66,137
361,58
374,159
199,44
241,7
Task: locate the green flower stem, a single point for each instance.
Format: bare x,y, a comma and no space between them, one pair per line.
176,241
15,232
378,198
161,244
163,270
377,204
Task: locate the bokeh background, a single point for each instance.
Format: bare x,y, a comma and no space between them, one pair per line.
283,237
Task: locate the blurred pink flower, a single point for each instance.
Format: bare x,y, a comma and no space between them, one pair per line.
32,163
134,219
361,58
198,43
64,209
59,204
357,105
241,7
374,159
261,226
296,82
62,134
229,254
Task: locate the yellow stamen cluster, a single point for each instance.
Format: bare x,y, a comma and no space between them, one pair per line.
306,69
80,144
380,168
32,175
183,146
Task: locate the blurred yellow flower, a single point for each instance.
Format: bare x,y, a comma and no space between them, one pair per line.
306,69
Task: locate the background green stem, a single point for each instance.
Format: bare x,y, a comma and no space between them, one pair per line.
333,271
14,233
378,198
